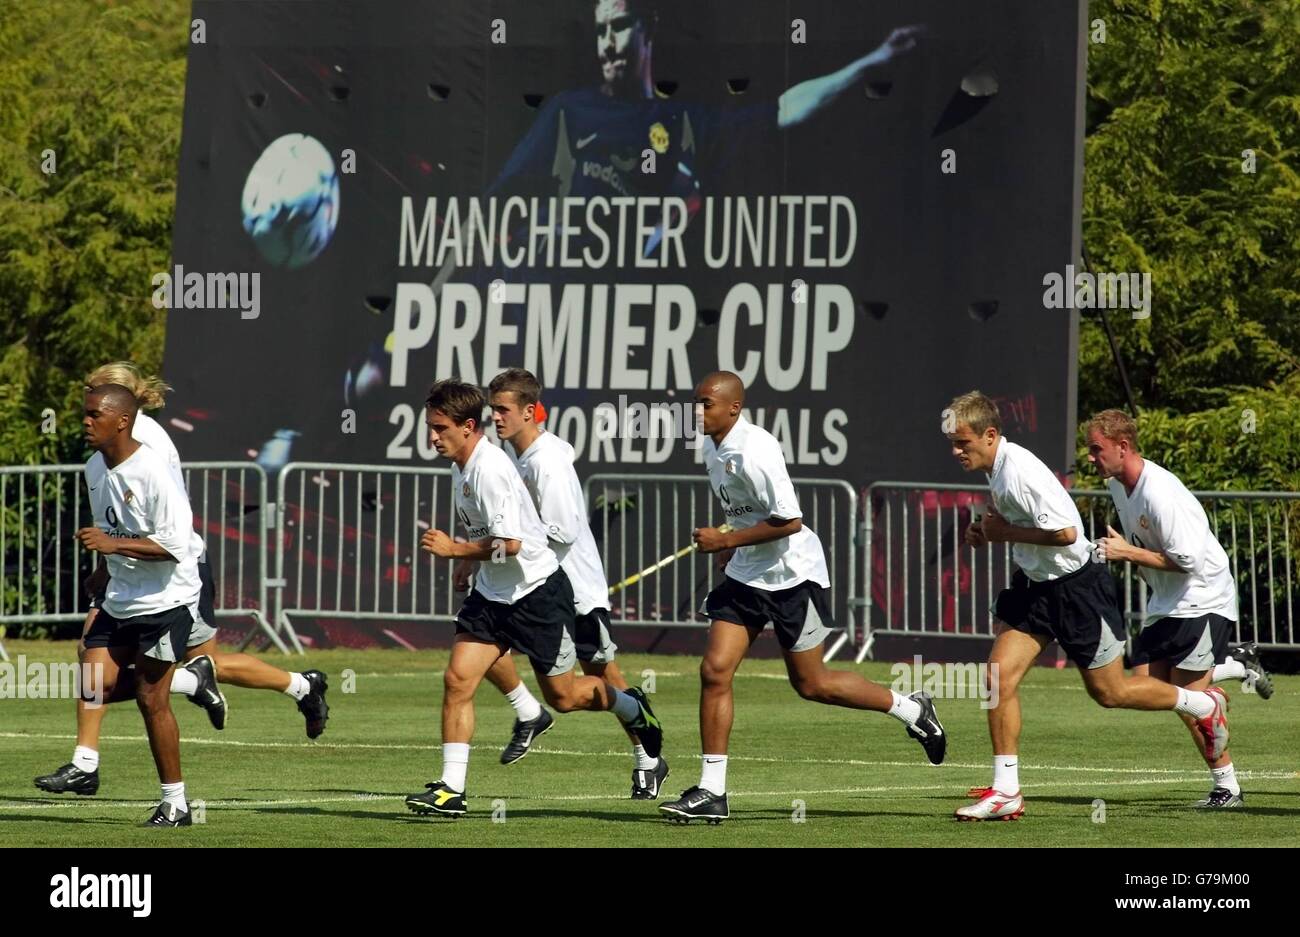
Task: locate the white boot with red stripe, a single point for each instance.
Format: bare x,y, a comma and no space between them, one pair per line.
991,804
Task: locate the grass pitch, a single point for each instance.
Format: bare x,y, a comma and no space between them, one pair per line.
801,774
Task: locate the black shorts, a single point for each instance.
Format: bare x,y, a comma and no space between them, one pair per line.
162,635
800,615
206,627
1187,643
1079,611
539,626
591,637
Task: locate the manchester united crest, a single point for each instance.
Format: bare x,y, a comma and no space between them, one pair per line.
659,138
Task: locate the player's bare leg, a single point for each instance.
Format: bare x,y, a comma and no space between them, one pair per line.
532,720
471,659
243,670
153,682
568,692
1014,652
816,682
729,642
152,696
1110,687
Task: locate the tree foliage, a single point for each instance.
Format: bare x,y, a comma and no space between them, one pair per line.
1178,94
98,88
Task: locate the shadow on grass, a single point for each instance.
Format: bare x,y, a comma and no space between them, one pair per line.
780,815
45,816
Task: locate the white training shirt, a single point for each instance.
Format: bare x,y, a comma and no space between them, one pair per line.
1161,515
1027,494
149,431
138,499
748,474
491,501
546,468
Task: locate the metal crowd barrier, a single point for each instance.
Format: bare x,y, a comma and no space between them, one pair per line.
42,564
642,518
347,544
921,579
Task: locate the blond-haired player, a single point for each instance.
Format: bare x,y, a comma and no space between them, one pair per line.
1192,610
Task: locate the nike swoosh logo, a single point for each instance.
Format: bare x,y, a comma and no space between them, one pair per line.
584,141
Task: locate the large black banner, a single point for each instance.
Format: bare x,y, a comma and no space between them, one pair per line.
851,205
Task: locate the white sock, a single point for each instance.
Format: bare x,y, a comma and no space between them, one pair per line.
1006,774
1226,777
905,709
526,706
174,794
299,686
626,707
713,777
1194,703
455,762
184,681
1229,670
643,761
86,759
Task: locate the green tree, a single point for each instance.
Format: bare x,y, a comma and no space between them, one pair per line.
1177,94
99,89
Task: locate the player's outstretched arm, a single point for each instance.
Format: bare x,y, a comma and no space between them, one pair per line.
805,99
